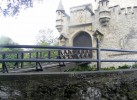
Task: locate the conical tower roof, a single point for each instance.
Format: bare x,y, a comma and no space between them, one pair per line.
60,6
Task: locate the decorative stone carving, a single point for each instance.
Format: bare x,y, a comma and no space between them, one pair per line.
89,28
122,43
81,19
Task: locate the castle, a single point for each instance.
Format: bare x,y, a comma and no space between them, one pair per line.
117,25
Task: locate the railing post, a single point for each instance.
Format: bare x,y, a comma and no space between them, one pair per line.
22,57
59,54
98,55
4,67
37,54
16,65
17,62
29,57
49,54
38,63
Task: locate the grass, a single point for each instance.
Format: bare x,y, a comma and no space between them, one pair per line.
94,68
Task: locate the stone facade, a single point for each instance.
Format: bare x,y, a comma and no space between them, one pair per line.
118,26
106,85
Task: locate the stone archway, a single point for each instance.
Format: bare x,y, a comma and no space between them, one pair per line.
82,39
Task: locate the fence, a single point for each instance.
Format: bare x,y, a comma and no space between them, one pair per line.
55,54
39,54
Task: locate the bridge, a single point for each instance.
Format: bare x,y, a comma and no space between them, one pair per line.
36,57
41,57
62,85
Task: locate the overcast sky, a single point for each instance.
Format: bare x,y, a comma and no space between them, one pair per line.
24,28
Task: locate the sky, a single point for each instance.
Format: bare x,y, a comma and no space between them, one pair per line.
24,28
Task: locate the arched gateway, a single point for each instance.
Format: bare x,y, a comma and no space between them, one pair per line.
83,39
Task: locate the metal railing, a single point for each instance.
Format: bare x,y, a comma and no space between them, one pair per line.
62,54
51,54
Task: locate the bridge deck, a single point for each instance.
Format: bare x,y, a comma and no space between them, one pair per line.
52,67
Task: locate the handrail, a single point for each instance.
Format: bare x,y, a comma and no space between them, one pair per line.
47,47
47,60
61,54
68,56
31,51
119,50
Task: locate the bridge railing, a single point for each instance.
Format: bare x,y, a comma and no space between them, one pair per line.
42,54
57,54
33,54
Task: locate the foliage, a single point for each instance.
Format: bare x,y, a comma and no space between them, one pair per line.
108,68
46,37
134,65
93,68
8,41
82,68
123,67
13,7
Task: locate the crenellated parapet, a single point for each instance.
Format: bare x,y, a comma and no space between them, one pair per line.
115,9
123,11
135,9
106,12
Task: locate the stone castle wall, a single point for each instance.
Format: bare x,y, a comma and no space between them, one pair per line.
120,32
106,85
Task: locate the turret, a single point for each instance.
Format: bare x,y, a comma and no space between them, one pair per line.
59,21
104,12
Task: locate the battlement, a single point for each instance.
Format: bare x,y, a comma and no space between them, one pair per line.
123,11
135,9
115,9
103,3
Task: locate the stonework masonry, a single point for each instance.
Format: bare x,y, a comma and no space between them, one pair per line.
97,85
117,24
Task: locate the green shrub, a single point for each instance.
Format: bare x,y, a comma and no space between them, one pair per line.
134,65
123,67
82,68
108,68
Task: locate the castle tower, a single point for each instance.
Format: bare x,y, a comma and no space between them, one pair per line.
59,21
104,13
